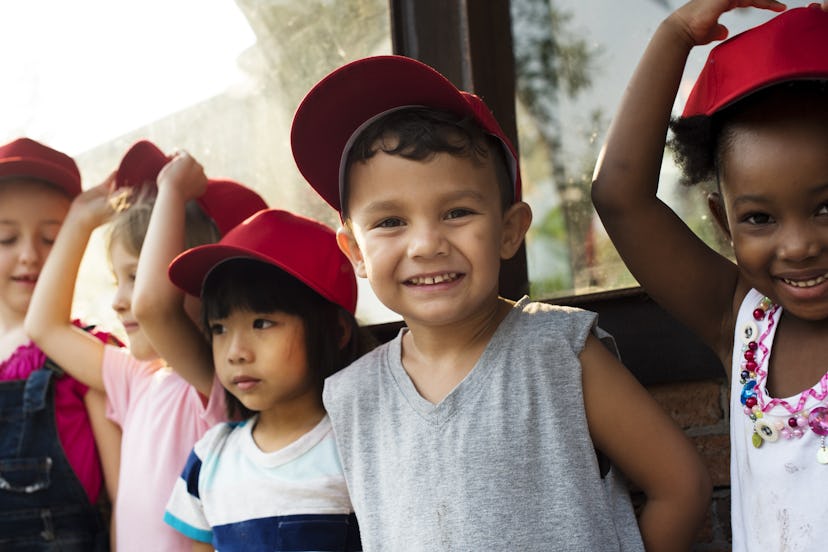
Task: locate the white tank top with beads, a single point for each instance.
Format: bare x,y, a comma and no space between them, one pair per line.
779,456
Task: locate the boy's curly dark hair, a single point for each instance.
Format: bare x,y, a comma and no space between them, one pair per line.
417,133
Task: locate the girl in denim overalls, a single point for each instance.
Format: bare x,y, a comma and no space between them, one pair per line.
50,475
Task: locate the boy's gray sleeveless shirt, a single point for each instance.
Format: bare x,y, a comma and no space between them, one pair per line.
504,462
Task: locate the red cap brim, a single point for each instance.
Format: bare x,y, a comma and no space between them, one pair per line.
791,46
302,247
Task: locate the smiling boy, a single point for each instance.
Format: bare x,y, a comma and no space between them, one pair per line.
476,428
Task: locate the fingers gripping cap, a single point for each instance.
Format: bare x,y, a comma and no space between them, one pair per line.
226,202
26,158
791,46
302,247
339,106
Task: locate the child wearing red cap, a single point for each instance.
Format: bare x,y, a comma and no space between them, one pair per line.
161,414
485,423
51,475
756,123
279,300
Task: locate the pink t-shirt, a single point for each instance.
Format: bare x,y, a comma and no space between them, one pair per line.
161,417
72,421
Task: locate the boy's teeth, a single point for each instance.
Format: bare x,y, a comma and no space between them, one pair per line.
806,283
430,280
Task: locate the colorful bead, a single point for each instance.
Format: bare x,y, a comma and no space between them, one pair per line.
757,441
771,428
818,420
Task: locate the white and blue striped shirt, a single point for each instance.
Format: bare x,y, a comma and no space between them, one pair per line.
235,496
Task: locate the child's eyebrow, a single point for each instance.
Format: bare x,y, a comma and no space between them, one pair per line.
749,198
380,206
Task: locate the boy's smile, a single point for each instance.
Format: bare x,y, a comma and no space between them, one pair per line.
429,235
777,208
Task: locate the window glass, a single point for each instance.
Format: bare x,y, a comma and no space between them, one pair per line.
573,60
220,79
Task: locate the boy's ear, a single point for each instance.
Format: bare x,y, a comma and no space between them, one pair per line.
348,245
516,221
716,205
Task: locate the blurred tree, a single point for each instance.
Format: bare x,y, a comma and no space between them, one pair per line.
551,62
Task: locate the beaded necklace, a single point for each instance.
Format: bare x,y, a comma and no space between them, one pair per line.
770,428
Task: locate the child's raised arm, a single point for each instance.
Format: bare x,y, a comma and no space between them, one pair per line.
677,269
648,448
157,304
49,318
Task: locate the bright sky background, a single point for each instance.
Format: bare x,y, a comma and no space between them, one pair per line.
78,73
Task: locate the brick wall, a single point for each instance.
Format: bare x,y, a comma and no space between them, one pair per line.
701,409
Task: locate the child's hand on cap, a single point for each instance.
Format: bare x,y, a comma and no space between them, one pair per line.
184,174
699,19
94,206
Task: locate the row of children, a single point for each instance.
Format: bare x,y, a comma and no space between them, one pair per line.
484,424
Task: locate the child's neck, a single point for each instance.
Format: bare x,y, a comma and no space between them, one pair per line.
280,426
437,359
798,356
12,337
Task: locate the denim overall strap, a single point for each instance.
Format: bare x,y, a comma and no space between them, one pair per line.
43,506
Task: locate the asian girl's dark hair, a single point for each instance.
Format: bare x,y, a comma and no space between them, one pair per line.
256,286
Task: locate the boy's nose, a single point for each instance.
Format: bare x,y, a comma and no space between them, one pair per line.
427,241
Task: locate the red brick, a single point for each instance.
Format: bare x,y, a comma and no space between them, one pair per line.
715,452
691,404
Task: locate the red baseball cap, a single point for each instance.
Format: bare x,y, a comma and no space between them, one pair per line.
226,202
302,247
25,158
791,46
340,105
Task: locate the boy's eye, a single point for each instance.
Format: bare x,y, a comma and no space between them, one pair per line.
390,222
823,209
216,328
262,323
8,240
458,213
